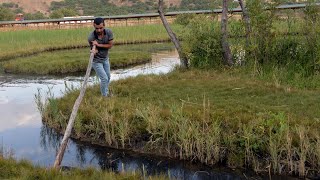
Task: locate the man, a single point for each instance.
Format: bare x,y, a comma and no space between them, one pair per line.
102,38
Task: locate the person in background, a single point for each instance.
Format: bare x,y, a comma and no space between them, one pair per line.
102,38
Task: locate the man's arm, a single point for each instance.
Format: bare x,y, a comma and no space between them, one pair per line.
107,46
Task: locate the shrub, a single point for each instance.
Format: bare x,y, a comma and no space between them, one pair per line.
202,42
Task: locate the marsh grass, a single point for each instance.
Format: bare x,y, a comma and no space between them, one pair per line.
5,152
207,116
70,61
27,42
76,60
12,169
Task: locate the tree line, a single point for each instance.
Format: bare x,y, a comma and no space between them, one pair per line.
100,8
104,8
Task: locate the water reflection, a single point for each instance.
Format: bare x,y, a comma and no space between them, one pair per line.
49,139
121,161
17,106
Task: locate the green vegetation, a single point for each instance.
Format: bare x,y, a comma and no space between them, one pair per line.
9,10
281,45
27,42
205,115
69,61
34,16
6,14
263,113
63,12
270,50
12,169
58,9
99,8
202,42
76,60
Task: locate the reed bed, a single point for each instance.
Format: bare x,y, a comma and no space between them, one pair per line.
205,116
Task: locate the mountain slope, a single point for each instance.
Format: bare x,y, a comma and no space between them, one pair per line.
130,2
32,6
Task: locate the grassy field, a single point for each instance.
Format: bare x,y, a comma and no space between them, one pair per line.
203,115
22,43
76,60
70,61
12,169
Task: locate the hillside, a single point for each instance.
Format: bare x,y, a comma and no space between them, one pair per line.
130,2
32,6
116,7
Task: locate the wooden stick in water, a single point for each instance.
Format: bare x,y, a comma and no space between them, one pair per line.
73,115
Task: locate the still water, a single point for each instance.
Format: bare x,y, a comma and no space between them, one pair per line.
23,135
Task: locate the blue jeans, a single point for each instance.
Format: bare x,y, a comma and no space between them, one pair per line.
103,72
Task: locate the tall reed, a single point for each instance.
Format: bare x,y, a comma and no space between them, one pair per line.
257,126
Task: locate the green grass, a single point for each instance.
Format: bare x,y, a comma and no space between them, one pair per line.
26,42
69,61
12,169
21,43
76,60
205,115
270,123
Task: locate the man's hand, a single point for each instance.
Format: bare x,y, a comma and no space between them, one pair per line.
94,43
94,49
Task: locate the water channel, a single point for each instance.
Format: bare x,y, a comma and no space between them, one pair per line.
23,135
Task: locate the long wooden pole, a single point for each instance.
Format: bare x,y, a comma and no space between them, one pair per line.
73,115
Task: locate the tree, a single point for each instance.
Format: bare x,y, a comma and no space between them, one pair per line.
64,12
246,18
227,56
37,15
176,42
56,15
10,5
6,14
